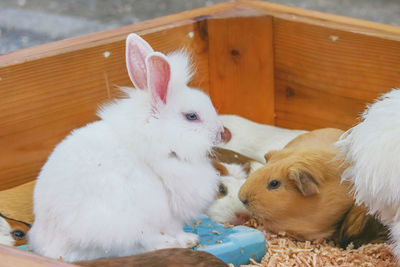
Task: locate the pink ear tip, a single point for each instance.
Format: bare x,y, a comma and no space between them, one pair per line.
135,40
157,56
133,36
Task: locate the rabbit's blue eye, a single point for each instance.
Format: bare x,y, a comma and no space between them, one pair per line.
191,116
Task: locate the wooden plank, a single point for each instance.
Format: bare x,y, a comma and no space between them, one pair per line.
324,77
241,66
12,257
42,100
323,19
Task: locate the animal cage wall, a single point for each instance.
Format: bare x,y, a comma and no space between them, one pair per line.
273,64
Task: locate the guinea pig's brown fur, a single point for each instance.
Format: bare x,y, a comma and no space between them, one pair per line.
298,191
310,199
230,156
321,138
172,257
17,202
358,227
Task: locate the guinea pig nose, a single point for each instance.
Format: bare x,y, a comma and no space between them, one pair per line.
241,218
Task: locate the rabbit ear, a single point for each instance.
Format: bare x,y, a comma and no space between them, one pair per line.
137,50
159,74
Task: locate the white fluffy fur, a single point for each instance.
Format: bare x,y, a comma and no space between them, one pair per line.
227,208
126,184
5,233
372,148
253,139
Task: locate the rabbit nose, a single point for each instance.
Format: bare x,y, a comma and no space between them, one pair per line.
226,135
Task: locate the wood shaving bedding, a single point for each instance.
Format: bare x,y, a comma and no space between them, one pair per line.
285,251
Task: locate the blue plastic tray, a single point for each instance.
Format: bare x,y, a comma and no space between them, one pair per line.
232,245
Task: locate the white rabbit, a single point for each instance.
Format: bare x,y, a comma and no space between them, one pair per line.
372,149
227,208
253,139
127,183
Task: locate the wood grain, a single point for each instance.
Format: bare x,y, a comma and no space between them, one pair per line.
12,257
42,100
241,67
324,77
326,20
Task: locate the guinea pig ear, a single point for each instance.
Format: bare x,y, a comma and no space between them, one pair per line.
247,168
223,171
136,52
268,156
304,182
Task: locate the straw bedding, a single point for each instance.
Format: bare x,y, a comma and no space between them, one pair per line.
285,251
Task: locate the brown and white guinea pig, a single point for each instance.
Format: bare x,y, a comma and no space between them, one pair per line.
233,169
13,232
17,202
298,191
253,139
171,257
227,208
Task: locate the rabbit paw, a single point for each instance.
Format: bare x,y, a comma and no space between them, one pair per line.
188,240
166,241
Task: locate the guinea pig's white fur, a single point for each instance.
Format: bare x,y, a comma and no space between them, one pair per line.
254,139
5,233
372,148
229,209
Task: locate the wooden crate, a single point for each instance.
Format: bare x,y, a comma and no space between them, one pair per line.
274,64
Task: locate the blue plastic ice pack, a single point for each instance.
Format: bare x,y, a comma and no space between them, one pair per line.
232,245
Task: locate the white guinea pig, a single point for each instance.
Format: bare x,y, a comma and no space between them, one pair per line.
254,139
227,208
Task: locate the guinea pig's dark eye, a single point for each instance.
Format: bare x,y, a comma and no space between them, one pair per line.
18,234
274,184
191,116
222,190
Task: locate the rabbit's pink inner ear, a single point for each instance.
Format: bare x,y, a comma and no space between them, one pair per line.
159,75
137,50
